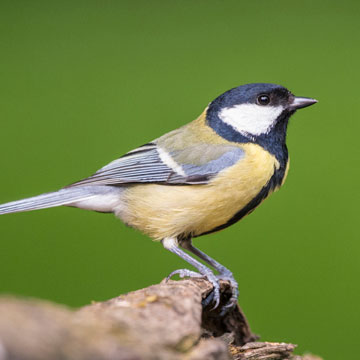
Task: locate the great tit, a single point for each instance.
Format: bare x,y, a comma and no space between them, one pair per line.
198,179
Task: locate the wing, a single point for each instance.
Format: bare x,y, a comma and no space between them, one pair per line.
151,163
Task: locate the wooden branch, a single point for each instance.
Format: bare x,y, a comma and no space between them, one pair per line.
165,321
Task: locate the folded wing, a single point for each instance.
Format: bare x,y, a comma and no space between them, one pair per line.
151,163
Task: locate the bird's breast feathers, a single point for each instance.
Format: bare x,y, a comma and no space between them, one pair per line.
162,211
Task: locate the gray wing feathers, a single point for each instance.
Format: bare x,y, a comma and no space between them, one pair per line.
212,167
209,164
141,167
145,165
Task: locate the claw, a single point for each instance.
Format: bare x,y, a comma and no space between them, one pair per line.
228,276
184,273
216,299
214,296
216,291
211,278
208,299
229,306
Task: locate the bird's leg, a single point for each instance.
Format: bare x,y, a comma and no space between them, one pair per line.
224,273
172,245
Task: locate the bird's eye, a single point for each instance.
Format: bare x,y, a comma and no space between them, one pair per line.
263,99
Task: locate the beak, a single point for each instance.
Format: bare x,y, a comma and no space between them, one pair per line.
301,102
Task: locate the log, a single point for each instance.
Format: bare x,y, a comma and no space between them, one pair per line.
170,320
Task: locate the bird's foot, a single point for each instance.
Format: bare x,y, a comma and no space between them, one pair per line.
226,275
184,273
215,294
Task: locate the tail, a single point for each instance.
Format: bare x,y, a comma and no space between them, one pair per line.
62,197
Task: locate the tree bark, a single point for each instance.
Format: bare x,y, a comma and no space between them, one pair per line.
166,321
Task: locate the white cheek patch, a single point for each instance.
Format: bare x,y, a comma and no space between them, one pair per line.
251,118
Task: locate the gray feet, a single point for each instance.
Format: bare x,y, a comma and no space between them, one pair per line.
228,276
184,273
224,274
172,244
208,274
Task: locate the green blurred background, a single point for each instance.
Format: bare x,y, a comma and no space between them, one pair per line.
82,82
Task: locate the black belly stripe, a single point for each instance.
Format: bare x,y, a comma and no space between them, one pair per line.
274,182
273,142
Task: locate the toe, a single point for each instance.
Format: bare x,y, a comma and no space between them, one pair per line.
184,273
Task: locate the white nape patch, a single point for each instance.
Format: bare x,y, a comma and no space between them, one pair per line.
251,119
166,158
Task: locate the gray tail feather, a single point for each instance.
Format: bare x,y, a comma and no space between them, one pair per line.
57,198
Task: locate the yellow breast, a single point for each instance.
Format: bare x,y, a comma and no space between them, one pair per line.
164,211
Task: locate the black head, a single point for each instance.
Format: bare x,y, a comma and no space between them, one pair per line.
254,112
259,94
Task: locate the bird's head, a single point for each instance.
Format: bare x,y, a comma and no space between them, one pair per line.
253,110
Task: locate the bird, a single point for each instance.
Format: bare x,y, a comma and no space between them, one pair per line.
195,180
